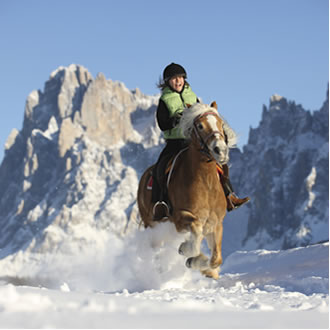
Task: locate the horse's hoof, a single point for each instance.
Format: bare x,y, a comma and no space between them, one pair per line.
189,262
185,249
211,273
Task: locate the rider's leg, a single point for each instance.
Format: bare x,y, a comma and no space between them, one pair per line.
161,209
159,196
155,192
233,202
162,206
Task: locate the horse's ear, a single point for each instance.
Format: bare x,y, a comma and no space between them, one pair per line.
214,105
188,105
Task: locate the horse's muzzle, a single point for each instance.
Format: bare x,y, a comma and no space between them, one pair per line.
220,153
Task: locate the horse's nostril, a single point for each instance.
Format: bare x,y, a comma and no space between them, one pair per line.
217,150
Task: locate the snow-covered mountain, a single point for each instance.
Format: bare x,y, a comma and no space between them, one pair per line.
69,176
75,164
71,250
285,169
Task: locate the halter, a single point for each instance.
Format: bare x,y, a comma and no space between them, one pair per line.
203,142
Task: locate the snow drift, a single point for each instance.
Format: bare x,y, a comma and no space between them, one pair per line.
142,283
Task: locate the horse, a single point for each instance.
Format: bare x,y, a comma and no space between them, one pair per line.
194,189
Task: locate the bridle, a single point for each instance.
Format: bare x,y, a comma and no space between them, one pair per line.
203,141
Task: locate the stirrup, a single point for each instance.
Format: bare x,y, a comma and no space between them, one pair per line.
162,217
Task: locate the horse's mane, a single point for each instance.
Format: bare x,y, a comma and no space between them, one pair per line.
189,114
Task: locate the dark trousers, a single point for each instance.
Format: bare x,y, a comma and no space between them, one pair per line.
159,189
226,184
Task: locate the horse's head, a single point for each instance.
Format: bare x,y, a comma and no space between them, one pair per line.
203,124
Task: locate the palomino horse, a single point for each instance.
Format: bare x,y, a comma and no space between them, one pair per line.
194,189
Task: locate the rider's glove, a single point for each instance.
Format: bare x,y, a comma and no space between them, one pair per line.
176,118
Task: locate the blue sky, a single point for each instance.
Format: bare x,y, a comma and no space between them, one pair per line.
237,52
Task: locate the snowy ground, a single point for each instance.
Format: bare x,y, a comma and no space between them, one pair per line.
143,283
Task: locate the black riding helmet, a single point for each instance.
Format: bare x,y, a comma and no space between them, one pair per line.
173,70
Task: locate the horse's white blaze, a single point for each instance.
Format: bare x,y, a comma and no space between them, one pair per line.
222,157
212,122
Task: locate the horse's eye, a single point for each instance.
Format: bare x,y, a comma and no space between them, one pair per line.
200,127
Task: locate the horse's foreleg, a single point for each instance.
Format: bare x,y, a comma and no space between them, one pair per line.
213,273
214,242
209,267
201,262
192,246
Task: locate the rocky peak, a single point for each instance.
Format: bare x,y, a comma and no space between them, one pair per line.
281,119
66,166
277,102
283,167
62,96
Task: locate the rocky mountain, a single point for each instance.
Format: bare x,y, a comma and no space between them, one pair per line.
69,176
285,169
71,173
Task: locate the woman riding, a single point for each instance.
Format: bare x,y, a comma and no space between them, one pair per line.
176,95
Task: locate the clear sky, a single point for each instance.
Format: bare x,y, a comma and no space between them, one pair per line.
237,52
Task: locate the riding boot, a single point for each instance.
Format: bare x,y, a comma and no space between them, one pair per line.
161,209
233,202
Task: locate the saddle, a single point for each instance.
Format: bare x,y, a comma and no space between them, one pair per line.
167,171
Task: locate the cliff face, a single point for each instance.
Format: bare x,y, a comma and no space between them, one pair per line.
284,167
69,178
74,164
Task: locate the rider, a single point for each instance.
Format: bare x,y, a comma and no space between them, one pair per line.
176,95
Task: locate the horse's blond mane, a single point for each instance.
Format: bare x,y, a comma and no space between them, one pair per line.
189,114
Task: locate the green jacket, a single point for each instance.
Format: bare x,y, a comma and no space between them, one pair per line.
175,103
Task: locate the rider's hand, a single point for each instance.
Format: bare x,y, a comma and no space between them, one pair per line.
177,118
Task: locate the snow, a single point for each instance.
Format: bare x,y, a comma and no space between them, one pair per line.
83,271
11,138
276,98
140,281
310,181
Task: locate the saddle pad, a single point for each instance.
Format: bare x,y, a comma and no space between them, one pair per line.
168,167
149,184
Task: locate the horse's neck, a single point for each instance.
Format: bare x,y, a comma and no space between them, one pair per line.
196,159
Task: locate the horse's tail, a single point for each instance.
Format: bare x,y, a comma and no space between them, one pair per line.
144,199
